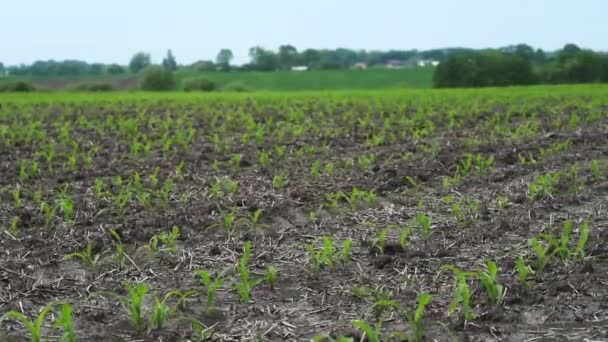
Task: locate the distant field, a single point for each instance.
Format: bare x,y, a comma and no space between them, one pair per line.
271,81
326,80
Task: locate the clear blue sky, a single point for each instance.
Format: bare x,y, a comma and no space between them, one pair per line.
113,30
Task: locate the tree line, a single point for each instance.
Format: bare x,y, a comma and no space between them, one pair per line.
522,65
260,59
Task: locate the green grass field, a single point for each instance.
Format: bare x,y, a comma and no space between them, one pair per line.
267,81
324,80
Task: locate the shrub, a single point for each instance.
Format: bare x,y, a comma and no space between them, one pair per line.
93,86
199,84
17,86
236,86
485,69
158,79
115,69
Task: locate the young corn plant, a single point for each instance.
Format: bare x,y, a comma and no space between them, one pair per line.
523,271
160,313
321,258
596,170
424,222
34,327
121,200
345,252
404,236
462,293
66,205
65,321
373,334
16,193
543,186
121,253
211,286
132,303
543,256
87,257
278,182
14,229
415,320
270,276
246,284
488,278
581,247
49,213
169,240
164,193
380,241
575,181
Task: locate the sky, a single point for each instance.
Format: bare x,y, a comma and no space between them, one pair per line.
111,31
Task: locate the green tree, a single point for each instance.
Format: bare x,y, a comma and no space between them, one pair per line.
169,62
288,55
158,79
262,59
489,68
2,69
224,57
139,61
115,69
311,58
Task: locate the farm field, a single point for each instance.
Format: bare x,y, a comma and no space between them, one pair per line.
394,215
261,81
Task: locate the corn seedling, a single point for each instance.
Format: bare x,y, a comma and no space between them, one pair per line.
15,226
245,285
65,321
543,256
16,197
165,192
324,257
121,254
278,182
581,247
345,252
179,169
314,169
133,303
270,276
488,278
523,271
424,222
415,320
502,202
121,199
67,208
366,162
543,186
160,313
49,213
203,333
575,181
404,236
34,327
211,286
86,257
264,160
462,293
373,334
596,171
380,241
169,239
329,169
